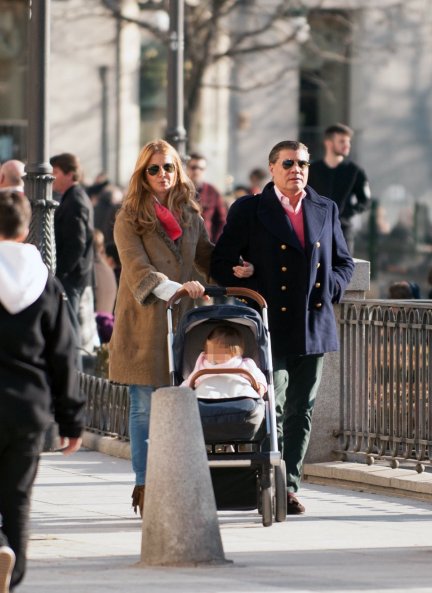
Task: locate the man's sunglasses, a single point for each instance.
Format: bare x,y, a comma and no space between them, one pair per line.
288,163
154,169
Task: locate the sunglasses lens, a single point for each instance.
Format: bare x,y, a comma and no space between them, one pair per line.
288,163
153,170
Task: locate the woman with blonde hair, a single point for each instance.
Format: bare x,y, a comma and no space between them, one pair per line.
161,238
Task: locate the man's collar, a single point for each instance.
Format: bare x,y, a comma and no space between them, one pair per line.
284,200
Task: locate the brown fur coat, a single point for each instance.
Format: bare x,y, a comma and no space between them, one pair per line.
138,347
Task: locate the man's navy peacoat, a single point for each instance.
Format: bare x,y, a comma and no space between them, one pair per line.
300,285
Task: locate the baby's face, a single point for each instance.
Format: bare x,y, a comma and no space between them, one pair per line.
217,353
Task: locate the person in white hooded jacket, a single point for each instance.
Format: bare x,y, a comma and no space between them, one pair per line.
37,378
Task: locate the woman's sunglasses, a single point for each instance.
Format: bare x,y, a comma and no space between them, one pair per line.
288,163
154,169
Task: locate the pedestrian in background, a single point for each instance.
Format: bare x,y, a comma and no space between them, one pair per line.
213,206
73,228
105,281
290,242
160,237
257,180
341,180
37,377
11,176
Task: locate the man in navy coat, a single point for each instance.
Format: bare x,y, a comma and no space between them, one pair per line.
287,244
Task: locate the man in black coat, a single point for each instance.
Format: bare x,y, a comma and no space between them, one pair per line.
73,227
340,179
292,250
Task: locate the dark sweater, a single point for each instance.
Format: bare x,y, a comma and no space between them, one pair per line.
340,184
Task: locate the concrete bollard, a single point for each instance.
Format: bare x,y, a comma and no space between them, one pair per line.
180,525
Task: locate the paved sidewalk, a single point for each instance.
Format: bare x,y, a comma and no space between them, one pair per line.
85,539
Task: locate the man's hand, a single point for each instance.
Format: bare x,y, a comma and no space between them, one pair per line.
69,445
244,270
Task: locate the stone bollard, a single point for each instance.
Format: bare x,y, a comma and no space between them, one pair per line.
180,525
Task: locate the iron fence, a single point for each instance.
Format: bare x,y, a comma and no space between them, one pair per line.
385,380
107,406
385,384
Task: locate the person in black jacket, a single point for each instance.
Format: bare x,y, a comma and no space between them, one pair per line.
73,228
340,179
37,377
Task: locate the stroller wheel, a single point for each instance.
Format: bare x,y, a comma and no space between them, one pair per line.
267,510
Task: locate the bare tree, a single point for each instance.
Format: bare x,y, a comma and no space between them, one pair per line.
218,30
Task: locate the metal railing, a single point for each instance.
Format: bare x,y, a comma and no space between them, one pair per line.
385,380
385,384
107,406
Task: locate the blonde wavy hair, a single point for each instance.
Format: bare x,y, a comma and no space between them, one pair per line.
139,203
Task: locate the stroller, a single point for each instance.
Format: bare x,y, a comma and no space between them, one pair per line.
240,432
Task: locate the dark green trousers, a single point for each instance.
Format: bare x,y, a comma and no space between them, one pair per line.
296,382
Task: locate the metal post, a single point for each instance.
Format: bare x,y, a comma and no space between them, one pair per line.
38,180
176,133
118,82
103,72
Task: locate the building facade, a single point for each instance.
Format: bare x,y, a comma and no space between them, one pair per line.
363,63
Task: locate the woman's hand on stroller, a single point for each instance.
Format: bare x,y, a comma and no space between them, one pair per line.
195,290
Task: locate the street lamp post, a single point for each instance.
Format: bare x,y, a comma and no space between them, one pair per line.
176,133
38,179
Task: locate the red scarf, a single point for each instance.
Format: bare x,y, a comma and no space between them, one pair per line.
168,221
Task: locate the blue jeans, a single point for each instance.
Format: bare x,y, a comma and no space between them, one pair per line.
139,423
296,382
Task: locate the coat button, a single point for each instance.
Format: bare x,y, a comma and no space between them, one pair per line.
318,244
318,305
318,265
283,287
317,284
283,268
283,309
283,246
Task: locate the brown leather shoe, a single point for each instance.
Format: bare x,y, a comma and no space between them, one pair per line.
294,507
138,499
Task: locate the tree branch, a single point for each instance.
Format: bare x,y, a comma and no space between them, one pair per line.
254,85
112,6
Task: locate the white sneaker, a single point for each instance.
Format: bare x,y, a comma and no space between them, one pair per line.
7,562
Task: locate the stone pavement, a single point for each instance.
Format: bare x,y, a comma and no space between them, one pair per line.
86,539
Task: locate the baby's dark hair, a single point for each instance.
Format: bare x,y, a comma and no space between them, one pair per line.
227,336
15,214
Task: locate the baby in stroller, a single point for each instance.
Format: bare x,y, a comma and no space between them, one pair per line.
223,351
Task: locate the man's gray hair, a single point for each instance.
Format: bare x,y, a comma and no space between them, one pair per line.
286,145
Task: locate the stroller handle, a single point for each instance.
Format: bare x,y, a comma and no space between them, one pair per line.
213,291
227,371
